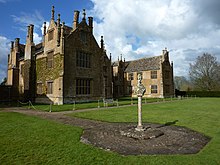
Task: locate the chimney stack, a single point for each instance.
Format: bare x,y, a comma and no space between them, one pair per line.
28,31
17,40
31,33
75,19
91,23
45,28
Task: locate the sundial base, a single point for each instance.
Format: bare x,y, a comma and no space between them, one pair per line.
143,133
139,128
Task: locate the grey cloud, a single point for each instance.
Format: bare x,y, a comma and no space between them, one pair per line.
208,10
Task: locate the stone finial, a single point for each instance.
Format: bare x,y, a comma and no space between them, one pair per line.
52,13
59,30
102,43
84,14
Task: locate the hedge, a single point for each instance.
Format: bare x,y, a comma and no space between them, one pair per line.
203,93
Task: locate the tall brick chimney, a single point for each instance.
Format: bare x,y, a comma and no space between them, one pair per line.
76,19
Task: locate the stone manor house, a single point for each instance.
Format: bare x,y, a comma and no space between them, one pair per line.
69,65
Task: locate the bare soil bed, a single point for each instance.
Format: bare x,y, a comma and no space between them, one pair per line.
123,139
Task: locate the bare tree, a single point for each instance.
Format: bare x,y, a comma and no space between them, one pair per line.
181,83
204,73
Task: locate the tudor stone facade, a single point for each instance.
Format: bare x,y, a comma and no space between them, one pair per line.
69,65
156,72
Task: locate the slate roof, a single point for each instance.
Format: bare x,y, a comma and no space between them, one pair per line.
144,64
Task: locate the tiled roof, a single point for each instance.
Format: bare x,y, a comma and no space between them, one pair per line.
152,63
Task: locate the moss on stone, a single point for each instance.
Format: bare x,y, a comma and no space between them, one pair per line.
44,74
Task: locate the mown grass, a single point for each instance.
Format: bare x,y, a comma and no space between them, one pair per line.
88,105
201,114
30,140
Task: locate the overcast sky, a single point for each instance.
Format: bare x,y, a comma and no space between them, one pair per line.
133,28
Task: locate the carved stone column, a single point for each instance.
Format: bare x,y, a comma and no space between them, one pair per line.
140,90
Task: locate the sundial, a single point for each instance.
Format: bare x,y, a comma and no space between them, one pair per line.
139,91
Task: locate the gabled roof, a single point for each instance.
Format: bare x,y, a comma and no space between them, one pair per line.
144,64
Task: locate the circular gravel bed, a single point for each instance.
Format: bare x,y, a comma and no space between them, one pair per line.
156,139
124,139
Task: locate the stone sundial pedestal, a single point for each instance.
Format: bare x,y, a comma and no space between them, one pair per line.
140,90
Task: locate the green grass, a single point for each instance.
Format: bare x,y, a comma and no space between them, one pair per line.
201,114
88,105
30,140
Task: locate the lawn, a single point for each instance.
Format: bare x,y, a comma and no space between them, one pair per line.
30,140
88,105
